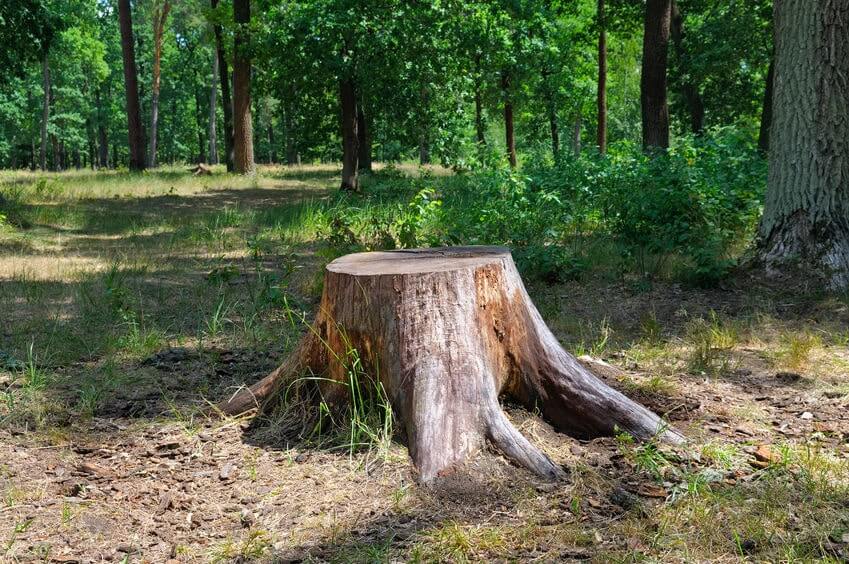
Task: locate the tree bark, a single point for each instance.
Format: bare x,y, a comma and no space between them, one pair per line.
213,107
690,90
766,112
363,140
554,130
655,111
601,94
45,112
226,102
348,101
806,214
243,142
131,87
446,332
509,133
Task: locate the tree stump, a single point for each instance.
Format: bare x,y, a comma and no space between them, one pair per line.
448,331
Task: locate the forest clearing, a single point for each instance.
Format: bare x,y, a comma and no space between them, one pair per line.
139,300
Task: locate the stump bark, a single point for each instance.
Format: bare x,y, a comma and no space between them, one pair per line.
447,331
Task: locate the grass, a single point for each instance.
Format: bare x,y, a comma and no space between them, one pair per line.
117,273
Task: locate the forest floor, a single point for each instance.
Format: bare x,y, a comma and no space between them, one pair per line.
128,303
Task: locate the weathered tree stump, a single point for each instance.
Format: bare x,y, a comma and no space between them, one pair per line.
448,331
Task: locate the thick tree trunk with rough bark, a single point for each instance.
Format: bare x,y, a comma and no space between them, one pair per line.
131,87
806,214
509,132
766,112
348,101
655,110
447,331
243,140
601,94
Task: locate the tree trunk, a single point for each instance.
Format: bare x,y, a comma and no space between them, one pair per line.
655,111
479,128
45,113
243,142
806,213
226,103
509,133
363,141
766,113
695,105
160,16
348,101
199,126
576,134
601,95
131,87
271,154
291,147
446,332
424,149
213,107
555,132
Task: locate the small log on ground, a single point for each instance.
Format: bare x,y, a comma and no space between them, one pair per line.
448,331
200,169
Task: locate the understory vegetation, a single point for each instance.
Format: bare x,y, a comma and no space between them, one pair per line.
130,302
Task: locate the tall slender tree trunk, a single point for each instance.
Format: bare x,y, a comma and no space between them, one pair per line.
348,101
160,16
289,131
272,157
655,110
806,214
766,112
131,87
243,141
601,94
213,106
363,140
199,126
509,133
102,141
576,133
690,90
226,102
479,127
45,111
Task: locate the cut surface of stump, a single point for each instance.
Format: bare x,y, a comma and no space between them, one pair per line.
448,331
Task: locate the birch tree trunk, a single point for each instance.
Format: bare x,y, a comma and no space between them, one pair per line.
806,215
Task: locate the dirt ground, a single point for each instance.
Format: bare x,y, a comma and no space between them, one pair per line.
755,376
